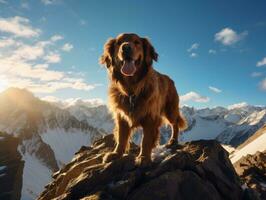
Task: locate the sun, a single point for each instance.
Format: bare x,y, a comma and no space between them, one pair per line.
3,85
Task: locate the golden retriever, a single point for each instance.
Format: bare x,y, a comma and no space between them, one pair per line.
139,96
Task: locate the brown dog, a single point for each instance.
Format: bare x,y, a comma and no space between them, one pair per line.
139,95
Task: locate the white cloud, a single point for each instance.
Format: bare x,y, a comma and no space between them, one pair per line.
228,36
262,62
17,68
49,2
65,103
83,102
3,1
19,26
52,99
195,97
46,86
214,89
82,22
26,64
52,58
55,38
256,74
25,5
193,47
43,19
193,55
237,105
28,52
263,84
67,47
212,51
6,42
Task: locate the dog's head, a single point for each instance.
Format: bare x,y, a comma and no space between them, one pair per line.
128,54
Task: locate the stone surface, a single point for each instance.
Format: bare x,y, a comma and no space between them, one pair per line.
195,170
11,168
252,171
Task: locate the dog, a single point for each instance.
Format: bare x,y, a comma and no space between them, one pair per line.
139,96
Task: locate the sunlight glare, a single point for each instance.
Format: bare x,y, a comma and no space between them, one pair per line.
3,85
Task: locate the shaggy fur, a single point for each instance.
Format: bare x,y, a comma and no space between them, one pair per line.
145,99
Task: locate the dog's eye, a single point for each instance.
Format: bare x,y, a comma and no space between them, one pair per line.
119,43
136,42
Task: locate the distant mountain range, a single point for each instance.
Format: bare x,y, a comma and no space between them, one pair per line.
49,133
48,136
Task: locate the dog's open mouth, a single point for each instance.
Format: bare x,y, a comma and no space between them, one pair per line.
129,67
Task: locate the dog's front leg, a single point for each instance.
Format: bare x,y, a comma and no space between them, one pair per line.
149,140
121,133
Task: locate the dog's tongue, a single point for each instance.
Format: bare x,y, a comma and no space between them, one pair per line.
128,68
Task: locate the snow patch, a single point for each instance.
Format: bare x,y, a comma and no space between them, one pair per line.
35,176
228,148
237,105
121,182
2,168
2,175
65,143
263,185
255,117
258,144
232,118
98,117
204,129
244,186
159,153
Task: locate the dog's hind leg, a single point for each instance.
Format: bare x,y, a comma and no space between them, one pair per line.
174,135
176,125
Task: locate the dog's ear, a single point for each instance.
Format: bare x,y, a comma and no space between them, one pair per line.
107,57
149,52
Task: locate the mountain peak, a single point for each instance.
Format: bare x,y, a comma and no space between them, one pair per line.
202,165
18,92
238,105
19,99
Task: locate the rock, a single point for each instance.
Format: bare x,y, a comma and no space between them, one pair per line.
195,170
252,171
11,168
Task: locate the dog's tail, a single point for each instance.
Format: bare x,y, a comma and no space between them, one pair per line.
182,123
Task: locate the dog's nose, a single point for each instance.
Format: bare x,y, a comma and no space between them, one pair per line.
126,49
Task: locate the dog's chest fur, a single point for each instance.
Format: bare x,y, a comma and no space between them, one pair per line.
134,107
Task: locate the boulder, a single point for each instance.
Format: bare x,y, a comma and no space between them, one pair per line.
196,170
252,171
11,168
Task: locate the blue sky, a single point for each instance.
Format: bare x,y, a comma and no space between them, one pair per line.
215,51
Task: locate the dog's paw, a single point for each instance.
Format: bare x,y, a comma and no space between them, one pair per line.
143,161
171,143
111,156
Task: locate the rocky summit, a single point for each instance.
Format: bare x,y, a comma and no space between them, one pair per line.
196,170
252,171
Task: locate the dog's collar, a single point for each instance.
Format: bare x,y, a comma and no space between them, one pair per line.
132,101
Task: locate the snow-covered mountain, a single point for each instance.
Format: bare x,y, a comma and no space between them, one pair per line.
98,116
48,136
257,142
92,111
232,125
